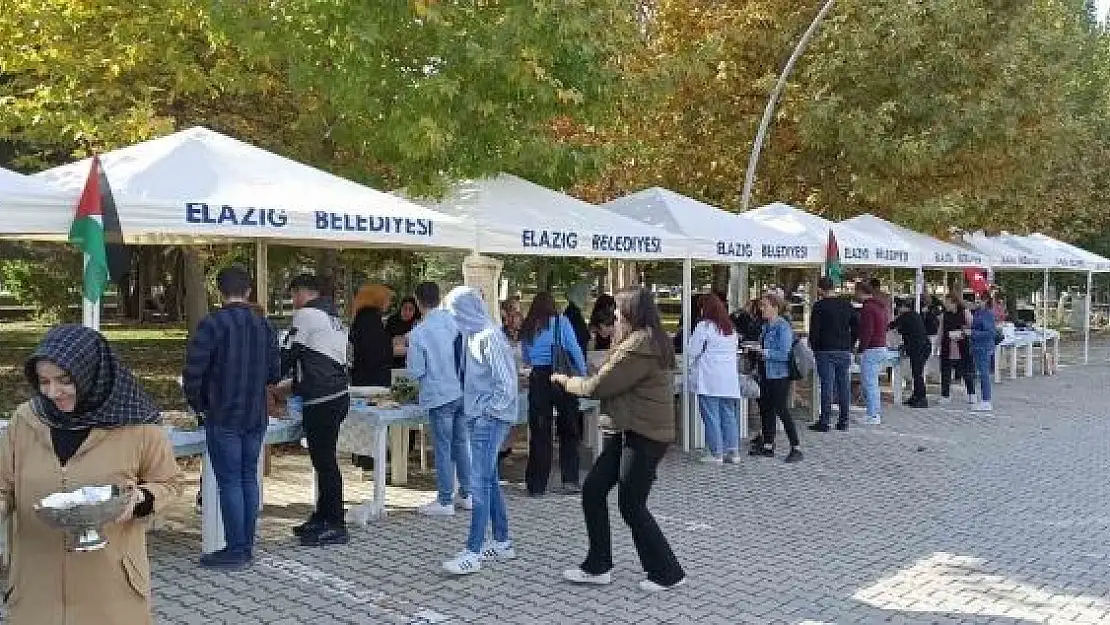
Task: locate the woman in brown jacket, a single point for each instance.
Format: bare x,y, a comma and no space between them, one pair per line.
636,389
88,424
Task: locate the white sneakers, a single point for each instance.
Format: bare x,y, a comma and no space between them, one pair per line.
984,406
874,420
435,509
971,399
578,576
465,563
494,550
466,503
711,459
944,401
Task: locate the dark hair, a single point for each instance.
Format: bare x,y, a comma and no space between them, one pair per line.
233,281
876,284
638,310
713,310
427,294
958,301
305,282
826,283
864,288
539,315
723,297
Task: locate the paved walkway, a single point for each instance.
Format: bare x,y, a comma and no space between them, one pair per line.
937,516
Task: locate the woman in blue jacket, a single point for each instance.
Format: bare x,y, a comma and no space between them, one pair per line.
776,343
982,333
544,329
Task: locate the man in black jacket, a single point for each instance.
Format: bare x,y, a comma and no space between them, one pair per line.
832,331
915,340
315,354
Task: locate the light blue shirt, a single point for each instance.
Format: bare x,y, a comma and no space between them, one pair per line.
538,351
431,359
490,377
778,340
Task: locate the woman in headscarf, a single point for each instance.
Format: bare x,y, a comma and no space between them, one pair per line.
400,324
372,348
490,405
87,424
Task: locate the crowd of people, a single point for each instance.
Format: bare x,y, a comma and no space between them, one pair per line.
88,420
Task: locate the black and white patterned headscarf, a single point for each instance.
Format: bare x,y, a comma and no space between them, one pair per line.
108,396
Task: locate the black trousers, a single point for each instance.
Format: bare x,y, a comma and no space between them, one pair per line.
544,400
628,461
917,370
961,368
321,429
774,402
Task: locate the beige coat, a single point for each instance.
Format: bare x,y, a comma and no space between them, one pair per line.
48,585
635,391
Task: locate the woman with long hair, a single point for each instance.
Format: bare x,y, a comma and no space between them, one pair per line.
602,318
636,389
543,332
399,325
714,370
774,396
88,423
371,347
955,351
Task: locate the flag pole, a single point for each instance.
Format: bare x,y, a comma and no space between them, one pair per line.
90,311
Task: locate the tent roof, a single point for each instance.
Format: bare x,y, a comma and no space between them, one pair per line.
538,221
932,251
1067,253
197,186
856,247
34,209
718,235
1003,254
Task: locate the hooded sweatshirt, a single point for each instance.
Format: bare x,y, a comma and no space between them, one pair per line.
489,368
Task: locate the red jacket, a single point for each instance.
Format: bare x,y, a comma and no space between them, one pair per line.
873,322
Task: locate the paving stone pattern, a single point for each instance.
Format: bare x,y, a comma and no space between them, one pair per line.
937,516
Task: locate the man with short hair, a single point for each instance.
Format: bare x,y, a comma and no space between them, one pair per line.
832,329
435,361
874,318
315,354
232,359
915,339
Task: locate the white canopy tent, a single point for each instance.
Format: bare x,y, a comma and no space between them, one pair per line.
856,248
1002,255
515,216
725,237
34,209
198,186
1096,263
933,252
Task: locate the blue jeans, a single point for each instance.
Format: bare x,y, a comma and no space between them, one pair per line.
486,436
834,369
869,369
234,453
722,430
452,451
983,369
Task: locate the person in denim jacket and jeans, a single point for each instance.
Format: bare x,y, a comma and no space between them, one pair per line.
490,405
435,360
982,333
774,398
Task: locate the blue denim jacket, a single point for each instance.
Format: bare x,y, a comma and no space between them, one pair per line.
982,331
537,352
777,340
432,361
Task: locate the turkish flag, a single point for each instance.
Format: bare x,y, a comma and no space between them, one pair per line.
977,280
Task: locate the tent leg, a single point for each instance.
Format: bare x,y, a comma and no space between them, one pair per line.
687,321
1087,322
1044,301
262,275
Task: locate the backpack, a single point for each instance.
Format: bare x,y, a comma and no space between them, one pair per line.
801,361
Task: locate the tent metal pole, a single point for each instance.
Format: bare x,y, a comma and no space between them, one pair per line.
687,320
1044,301
918,288
262,275
1087,322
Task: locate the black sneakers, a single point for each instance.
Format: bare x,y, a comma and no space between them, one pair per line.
795,456
312,525
326,535
819,427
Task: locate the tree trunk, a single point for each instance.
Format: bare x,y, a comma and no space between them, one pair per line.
196,288
327,260
720,278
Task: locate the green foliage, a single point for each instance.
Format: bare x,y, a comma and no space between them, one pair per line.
45,277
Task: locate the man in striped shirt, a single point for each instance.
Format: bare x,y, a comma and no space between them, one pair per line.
232,358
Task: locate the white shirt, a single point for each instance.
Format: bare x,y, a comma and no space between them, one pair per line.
713,362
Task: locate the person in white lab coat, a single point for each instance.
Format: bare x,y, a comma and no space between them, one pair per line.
711,356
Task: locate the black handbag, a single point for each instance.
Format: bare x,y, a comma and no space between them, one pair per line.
561,362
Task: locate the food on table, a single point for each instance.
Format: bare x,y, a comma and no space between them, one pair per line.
404,391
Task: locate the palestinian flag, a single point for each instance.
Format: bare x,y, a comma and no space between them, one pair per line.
833,269
87,233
